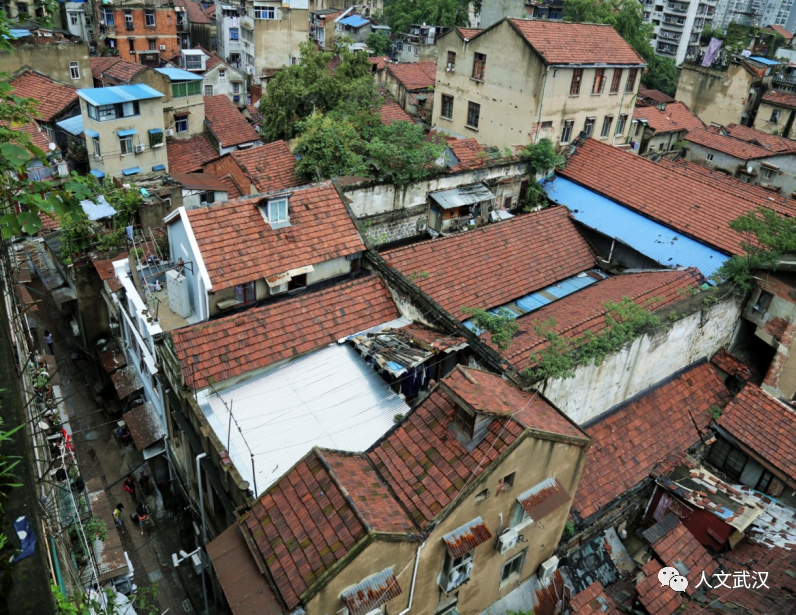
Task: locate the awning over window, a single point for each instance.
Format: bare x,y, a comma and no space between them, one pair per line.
278,280
91,133
155,131
159,167
464,539
127,133
131,171
370,594
97,173
544,498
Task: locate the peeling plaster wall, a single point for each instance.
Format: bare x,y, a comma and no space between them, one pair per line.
649,359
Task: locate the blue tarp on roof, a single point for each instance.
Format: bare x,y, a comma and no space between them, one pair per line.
99,209
355,21
97,173
131,171
177,74
118,94
765,61
655,241
17,33
73,125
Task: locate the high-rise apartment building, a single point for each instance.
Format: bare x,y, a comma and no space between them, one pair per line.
678,25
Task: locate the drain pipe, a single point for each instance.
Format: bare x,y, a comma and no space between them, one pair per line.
204,526
414,578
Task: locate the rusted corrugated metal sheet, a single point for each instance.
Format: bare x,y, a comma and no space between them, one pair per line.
544,498
371,593
464,539
145,426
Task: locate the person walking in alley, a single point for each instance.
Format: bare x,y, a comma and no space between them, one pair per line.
48,338
129,486
117,515
141,516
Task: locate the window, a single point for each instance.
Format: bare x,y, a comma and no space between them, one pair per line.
507,482
709,157
181,123
727,458
208,90
248,36
128,20
97,150
512,568
446,109
566,134
479,66
244,293
763,302
606,129
465,421
236,88
547,126
264,12
588,127
74,19
234,34
519,515
574,88
22,8
193,61
631,80
131,44
186,88
473,114
775,116
222,76
153,44
126,145
106,15
277,210
149,18
452,60
74,70
620,125
616,80
599,81
483,495
155,138
456,570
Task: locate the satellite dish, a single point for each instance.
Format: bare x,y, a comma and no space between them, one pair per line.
52,147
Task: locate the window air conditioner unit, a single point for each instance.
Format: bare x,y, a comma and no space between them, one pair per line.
450,68
140,148
458,575
162,47
169,132
547,568
507,540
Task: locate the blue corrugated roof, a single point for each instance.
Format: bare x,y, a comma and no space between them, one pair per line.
17,33
765,61
118,94
177,74
91,133
355,21
73,125
655,241
127,133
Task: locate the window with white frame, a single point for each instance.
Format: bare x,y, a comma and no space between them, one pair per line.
222,75
620,125
126,145
766,173
74,18
106,16
277,210
264,12
512,569
775,116
97,150
709,157
193,61
181,123
236,88
234,34
606,129
566,133
208,90
74,70
149,18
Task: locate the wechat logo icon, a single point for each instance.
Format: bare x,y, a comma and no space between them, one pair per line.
671,578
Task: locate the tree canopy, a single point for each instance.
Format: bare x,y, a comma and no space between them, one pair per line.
400,14
379,43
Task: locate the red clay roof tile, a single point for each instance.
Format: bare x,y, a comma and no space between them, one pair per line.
227,123
390,111
780,30
751,135
674,118
678,547
414,75
113,71
494,264
239,246
765,425
53,97
270,167
657,599
469,33
469,152
195,13
561,42
728,145
655,95
731,365
380,62
783,99
188,155
694,202
630,440
592,600
220,349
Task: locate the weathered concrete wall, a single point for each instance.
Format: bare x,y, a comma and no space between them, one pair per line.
492,11
52,60
716,96
783,126
784,178
594,389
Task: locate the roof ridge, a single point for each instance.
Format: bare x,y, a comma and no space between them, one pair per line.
317,451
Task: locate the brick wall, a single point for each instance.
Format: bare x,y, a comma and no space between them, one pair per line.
165,29
226,165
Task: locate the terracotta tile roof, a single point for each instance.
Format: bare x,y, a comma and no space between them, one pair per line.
227,123
561,42
679,548
233,190
728,145
492,265
765,425
630,440
585,310
380,63
763,139
593,601
302,525
113,70
414,75
188,155
37,136
270,167
784,99
780,30
469,33
657,599
732,365
674,118
490,393
426,465
390,111
380,510
53,96
467,152
693,202
195,12
254,112
655,95
227,347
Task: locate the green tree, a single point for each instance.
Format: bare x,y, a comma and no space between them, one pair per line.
400,153
400,14
329,148
380,43
541,156
501,326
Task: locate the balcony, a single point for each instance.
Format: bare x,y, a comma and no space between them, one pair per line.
676,7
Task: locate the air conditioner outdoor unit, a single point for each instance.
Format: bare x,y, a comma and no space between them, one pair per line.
140,148
547,568
507,540
163,47
169,132
458,575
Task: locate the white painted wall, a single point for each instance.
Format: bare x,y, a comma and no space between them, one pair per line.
649,359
